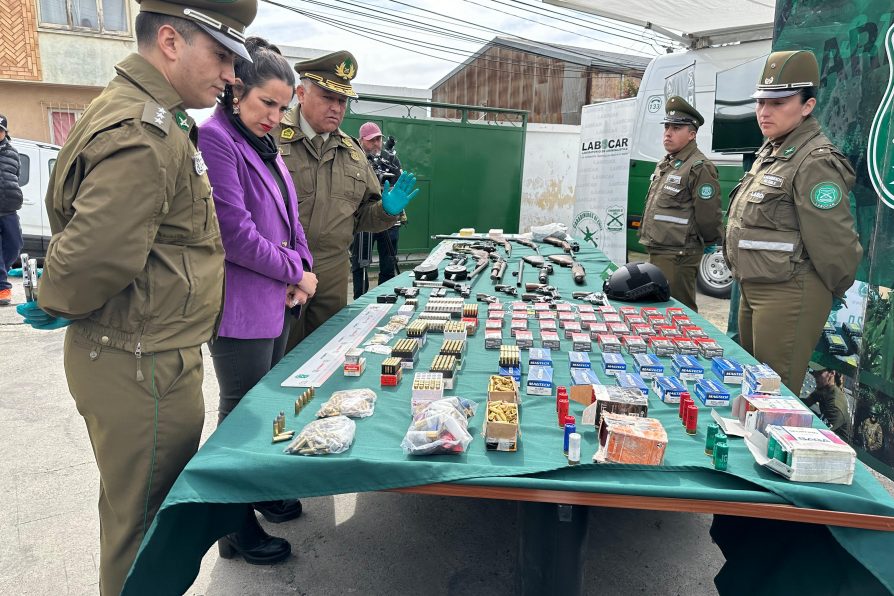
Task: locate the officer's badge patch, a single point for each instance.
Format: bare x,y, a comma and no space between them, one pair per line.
287,134
355,156
198,163
788,151
347,142
825,195
674,179
705,191
346,70
182,120
678,163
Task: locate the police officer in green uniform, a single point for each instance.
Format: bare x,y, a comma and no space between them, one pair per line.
136,265
338,193
832,401
790,239
683,213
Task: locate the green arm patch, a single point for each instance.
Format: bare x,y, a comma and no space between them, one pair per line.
826,195
706,191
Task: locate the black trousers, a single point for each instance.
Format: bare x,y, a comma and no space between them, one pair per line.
240,363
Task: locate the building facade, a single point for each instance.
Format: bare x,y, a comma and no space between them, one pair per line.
551,82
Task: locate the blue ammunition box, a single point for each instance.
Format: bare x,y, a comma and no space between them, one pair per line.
760,378
711,393
540,380
728,371
540,357
648,366
687,367
582,381
612,363
510,371
579,360
668,389
632,381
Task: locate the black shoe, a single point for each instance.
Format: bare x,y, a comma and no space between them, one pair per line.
278,511
266,551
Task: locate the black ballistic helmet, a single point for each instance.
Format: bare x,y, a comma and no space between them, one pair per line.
637,281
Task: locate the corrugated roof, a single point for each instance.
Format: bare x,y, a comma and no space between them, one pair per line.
606,61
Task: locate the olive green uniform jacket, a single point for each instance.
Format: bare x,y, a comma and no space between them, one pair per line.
135,258
833,407
791,214
683,211
338,195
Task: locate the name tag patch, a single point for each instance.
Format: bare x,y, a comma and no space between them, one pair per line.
671,189
674,179
771,180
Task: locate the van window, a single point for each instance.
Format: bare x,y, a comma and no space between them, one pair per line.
25,169
50,165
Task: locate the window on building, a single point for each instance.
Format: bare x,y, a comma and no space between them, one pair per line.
100,16
61,122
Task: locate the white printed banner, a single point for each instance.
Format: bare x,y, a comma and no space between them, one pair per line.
600,195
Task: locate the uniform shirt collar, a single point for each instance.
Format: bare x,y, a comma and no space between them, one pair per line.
308,130
684,153
789,144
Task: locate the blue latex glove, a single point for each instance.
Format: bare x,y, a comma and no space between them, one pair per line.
15,272
40,319
395,199
709,250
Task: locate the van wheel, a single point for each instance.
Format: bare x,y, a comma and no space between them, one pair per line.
714,277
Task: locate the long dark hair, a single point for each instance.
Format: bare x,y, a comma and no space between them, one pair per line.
266,63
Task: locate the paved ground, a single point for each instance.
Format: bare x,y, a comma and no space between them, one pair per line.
356,543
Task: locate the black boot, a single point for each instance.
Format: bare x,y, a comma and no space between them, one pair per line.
254,544
278,511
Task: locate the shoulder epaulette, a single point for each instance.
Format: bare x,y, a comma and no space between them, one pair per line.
698,163
157,116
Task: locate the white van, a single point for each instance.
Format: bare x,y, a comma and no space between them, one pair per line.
647,150
37,161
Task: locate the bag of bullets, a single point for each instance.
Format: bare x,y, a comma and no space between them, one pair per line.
458,408
441,434
353,403
327,435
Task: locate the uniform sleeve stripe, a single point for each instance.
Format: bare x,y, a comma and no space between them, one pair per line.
672,219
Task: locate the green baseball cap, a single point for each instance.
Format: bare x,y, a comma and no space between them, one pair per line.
224,20
333,72
678,111
786,73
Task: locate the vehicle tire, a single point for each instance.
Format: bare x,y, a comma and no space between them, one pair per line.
714,277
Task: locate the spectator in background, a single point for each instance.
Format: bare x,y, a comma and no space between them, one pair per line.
386,166
268,264
872,438
832,401
10,203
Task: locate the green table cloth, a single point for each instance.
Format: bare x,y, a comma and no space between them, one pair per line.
238,464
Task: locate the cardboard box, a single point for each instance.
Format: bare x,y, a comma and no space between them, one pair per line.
524,339
648,366
614,400
582,381
579,360
711,393
499,435
709,348
761,378
630,440
609,343
540,380
668,389
550,339
728,371
633,381
687,368
494,394
661,346
581,342
613,363
540,357
761,412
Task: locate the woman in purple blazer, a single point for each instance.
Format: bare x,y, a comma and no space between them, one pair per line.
268,263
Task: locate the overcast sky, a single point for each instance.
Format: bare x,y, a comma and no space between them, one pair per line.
382,61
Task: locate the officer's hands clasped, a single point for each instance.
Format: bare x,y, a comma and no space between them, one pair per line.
396,198
39,318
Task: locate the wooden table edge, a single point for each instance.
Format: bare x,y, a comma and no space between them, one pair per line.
738,508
